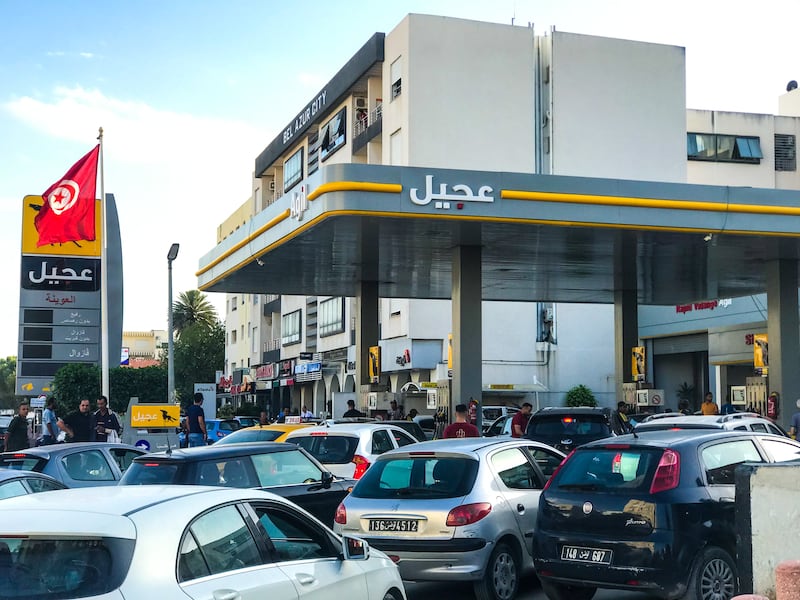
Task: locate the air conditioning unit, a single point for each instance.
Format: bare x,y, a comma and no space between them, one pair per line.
272,185
361,103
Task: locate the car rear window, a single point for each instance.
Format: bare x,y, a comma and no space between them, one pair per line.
22,462
328,449
569,425
418,478
256,435
150,473
622,470
43,568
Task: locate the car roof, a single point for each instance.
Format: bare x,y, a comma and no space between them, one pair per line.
354,429
664,438
572,410
709,421
464,445
211,452
54,450
276,427
83,512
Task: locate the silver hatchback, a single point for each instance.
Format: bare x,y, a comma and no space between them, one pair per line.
454,510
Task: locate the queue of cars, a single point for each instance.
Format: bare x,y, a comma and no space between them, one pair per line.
649,511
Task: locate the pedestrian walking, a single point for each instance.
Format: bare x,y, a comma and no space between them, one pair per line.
106,423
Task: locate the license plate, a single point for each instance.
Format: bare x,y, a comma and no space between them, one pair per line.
393,525
589,555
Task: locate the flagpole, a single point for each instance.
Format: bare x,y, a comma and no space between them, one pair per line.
103,277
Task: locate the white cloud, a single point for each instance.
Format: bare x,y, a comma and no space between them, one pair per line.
175,177
86,54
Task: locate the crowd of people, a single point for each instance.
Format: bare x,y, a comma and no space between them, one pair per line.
82,425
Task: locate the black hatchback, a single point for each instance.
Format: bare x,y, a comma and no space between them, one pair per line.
284,469
566,428
650,512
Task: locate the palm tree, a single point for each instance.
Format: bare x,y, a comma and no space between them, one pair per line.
192,308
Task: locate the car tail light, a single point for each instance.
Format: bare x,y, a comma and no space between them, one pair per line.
668,472
556,470
341,515
319,433
362,464
467,514
567,420
20,456
617,446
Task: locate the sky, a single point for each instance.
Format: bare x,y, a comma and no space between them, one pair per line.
189,92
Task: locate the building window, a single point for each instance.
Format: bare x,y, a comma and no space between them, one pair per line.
293,170
333,136
254,343
396,78
723,148
290,328
331,316
255,298
233,303
233,336
785,152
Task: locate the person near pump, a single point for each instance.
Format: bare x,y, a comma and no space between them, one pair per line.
196,421
461,428
17,432
709,407
106,422
794,430
394,413
351,410
79,424
774,406
623,423
49,423
519,422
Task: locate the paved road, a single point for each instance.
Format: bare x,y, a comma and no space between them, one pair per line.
529,590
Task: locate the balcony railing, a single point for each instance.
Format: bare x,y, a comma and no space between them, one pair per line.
360,125
273,344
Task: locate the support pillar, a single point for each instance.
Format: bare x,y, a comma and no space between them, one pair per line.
783,329
467,328
366,330
626,306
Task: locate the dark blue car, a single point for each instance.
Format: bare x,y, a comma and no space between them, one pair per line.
650,512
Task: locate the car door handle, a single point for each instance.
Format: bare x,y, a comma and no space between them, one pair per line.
306,579
226,595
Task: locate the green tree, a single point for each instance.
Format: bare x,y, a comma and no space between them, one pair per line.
192,308
8,382
580,395
199,354
74,382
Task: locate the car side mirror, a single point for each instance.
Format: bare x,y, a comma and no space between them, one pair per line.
354,548
327,479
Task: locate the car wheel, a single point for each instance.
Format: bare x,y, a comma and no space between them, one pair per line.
713,577
390,595
501,580
560,591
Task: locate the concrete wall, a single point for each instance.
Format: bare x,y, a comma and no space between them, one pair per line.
767,518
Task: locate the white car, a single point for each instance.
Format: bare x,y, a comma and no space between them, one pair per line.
348,449
170,542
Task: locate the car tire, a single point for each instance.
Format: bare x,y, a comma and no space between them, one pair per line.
561,591
501,579
713,576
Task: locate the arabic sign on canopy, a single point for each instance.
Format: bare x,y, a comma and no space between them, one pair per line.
151,416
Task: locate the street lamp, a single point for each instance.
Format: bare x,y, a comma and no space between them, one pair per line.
171,255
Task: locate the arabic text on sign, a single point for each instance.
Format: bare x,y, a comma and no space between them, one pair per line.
461,193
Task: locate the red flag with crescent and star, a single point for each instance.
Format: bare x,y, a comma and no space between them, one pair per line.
67,214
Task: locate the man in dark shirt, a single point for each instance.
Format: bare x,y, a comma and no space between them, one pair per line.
351,410
460,428
105,420
17,432
79,424
196,421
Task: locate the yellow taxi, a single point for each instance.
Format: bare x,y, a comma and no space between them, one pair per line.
276,432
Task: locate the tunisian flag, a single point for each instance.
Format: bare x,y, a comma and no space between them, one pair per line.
67,214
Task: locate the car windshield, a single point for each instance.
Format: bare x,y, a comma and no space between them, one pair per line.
328,449
62,567
251,435
569,425
426,477
614,470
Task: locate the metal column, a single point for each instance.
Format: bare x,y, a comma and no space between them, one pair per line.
467,324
